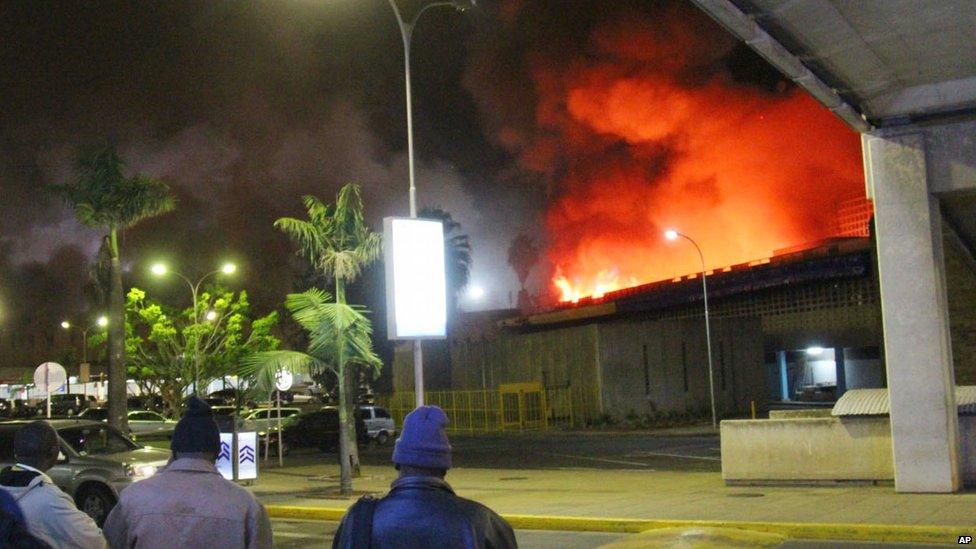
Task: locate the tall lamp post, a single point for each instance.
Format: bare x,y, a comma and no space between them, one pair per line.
406,32
160,269
101,322
673,235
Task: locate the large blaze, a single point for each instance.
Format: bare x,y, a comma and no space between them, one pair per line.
648,127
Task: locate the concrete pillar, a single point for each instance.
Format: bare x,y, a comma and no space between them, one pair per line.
921,385
839,366
784,378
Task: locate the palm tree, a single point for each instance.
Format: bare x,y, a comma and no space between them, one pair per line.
522,256
105,198
338,334
457,253
336,240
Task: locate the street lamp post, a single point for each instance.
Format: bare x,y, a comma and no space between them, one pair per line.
101,322
160,269
672,234
406,32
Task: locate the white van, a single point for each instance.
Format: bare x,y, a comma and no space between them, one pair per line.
379,424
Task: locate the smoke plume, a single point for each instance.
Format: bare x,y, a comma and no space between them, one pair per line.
651,117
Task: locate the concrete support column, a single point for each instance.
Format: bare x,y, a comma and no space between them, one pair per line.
840,367
921,384
784,378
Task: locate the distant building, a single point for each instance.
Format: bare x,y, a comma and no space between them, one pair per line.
802,326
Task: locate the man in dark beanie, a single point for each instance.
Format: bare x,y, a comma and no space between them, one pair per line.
189,504
421,509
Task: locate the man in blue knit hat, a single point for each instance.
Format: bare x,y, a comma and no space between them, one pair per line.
421,509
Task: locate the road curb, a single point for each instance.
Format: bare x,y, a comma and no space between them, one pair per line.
903,533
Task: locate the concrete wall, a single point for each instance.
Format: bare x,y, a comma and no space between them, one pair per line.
960,271
662,365
806,449
797,450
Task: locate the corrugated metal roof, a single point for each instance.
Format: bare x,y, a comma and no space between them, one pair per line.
874,402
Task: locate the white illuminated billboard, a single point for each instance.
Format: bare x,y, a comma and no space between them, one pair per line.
416,289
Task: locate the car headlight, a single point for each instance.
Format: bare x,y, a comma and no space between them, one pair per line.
140,472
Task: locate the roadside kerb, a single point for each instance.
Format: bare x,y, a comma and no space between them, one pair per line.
796,530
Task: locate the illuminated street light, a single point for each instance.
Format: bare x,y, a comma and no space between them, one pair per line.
815,351
673,235
406,32
159,269
476,292
100,322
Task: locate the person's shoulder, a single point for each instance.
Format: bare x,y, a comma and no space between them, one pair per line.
478,508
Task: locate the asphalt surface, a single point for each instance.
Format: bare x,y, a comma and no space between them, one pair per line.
301,534
562,450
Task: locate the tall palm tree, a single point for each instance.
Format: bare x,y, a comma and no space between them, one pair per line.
457,253
336,240
338,334
105,198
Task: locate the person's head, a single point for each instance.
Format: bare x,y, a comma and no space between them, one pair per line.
36,445
196,435
423,448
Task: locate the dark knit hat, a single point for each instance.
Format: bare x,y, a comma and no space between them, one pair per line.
423,442
197,431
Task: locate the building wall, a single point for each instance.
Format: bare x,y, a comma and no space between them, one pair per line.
960,271
651,366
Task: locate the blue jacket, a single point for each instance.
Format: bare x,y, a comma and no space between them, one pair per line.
422,512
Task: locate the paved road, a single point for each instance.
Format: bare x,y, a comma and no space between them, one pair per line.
300,534
563,450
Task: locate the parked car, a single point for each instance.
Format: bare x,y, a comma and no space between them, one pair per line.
152,403
319,429
95,464
379,423
142,423
70,404
264,420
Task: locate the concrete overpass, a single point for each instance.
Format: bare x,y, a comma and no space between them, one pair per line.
902,73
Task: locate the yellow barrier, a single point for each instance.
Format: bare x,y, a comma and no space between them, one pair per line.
518,406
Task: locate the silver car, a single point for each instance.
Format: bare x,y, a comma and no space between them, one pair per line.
95,464
379,424
143,424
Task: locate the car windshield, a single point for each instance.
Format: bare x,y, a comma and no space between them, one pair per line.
94,440
96,414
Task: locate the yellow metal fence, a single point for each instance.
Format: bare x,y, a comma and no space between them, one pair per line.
512,407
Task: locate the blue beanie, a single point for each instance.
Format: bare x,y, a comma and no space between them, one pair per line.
197,432
423,442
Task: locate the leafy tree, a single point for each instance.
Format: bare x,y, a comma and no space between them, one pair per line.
336,240
457,253
167,347
105,198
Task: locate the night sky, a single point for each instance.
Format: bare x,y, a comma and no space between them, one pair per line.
242,107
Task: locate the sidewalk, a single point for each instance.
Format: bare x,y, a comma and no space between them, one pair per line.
640,495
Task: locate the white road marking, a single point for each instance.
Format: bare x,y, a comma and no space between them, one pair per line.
682,456
616,461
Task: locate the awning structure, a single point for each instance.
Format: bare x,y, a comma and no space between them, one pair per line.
889,61
874,402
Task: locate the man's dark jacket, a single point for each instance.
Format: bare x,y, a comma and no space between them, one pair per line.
425,512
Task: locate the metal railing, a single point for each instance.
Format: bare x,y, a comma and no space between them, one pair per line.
518,407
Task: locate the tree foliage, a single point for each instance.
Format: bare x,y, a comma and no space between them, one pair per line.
457,250
168,346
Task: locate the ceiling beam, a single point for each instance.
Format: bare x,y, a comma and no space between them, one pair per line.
745,28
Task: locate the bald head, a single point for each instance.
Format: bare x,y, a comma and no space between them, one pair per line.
36,444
